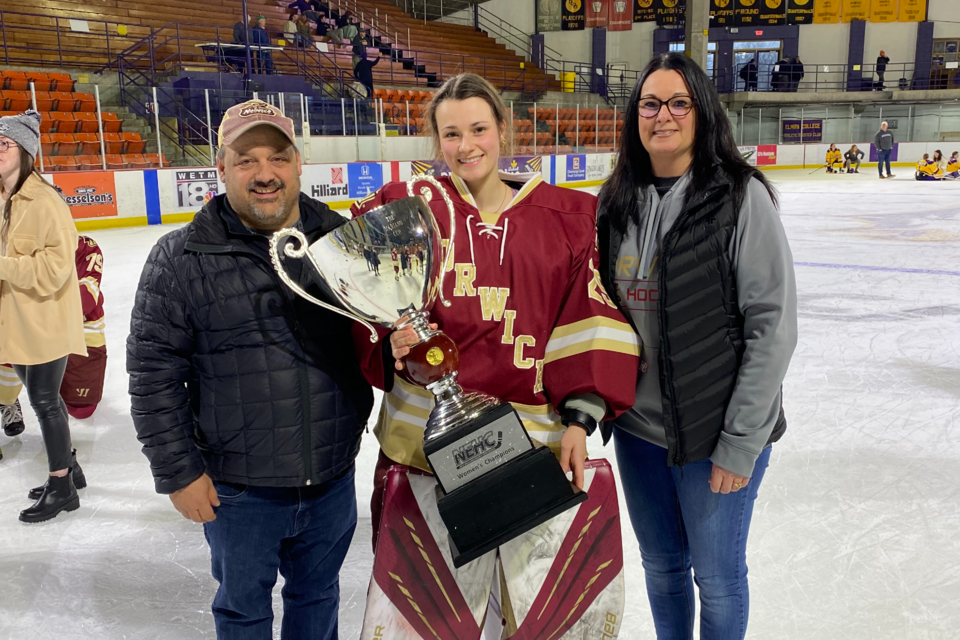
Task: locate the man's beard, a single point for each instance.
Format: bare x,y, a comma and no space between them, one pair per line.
264,218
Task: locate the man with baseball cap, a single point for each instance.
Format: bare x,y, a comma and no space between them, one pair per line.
247,399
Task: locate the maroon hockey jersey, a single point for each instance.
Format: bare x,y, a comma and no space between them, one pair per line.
533,323
90,273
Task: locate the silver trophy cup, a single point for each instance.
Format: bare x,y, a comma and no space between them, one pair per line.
385,267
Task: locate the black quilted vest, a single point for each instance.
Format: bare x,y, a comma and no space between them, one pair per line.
701,328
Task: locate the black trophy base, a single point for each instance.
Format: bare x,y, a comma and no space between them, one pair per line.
505,503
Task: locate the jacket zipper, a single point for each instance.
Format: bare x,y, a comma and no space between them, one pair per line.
306,454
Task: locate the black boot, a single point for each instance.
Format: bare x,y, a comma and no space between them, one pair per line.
12,419
75,472
59,495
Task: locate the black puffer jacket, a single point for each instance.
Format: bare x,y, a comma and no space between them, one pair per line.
231,373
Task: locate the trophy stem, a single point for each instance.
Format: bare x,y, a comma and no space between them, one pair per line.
454,407
419,322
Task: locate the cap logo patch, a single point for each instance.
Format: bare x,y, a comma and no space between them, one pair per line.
261,109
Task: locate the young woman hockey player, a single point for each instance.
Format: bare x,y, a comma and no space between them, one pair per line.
834,159
534,328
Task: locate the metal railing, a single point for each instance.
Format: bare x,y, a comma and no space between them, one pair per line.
79,44
846,124
471,14
816,78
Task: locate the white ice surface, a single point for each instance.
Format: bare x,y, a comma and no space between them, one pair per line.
856,533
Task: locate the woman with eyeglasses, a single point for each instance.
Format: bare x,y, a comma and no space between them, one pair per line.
691,242
41,317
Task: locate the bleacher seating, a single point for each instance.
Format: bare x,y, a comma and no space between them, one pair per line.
69,130
598,130
442,49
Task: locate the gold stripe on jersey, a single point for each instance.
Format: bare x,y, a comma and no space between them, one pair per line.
94,333
593,334
405,410
92,286
524,191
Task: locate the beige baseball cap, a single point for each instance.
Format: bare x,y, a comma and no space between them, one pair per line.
242,117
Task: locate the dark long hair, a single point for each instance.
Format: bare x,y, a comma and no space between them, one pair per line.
713,148
27,168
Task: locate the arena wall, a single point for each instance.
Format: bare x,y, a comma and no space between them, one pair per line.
107,199
820,44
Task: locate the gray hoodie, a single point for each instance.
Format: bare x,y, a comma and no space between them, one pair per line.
767,291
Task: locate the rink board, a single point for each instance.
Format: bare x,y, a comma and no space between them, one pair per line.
109,199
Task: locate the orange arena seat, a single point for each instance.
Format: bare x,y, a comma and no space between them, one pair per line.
115,161
45,101
135,161
113,142
65,143
85,102
14,81
132,143
65,101
89,163
87,122
41,81
111,123
63,122
89,143
18,101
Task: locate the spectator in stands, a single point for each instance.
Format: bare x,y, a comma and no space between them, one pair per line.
884,142
749,73
882,61
852,159
304,35
240,31
323,29
780,78
264,58
301,6
363,72
346,30
236,58
796,74
290,28
359,48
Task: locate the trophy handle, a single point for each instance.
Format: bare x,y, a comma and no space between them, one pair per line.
426,193
299,252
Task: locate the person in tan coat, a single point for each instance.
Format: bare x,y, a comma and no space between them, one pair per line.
41,317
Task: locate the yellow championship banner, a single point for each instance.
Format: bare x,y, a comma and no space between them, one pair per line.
913,10
856,10
826,11
884,11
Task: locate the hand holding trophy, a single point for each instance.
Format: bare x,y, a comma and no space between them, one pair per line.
494,482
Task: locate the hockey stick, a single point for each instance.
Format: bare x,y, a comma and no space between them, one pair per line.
817,169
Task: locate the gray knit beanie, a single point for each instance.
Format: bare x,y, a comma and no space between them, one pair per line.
24,129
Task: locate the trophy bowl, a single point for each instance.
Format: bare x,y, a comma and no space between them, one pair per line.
385,267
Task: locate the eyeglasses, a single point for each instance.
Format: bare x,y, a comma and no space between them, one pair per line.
6,145
678,106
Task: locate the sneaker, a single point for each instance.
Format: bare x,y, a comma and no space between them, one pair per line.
12,419
890,175
882,176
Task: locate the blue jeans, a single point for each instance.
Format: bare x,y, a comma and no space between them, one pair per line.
302,532
681,525
884,157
